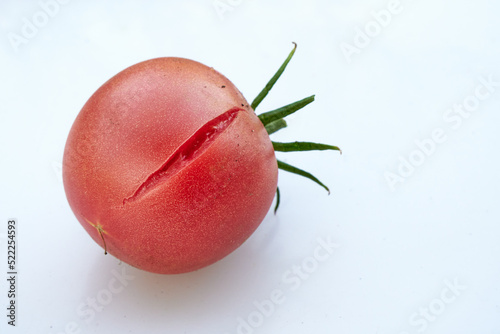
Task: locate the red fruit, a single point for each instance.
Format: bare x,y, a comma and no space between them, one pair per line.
168,167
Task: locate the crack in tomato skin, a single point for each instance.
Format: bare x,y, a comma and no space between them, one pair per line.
188,151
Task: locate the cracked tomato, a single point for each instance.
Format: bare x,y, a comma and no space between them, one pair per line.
168,168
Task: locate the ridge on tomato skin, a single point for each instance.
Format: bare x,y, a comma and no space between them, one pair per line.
119,148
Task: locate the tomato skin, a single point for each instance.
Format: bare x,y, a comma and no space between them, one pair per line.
129,128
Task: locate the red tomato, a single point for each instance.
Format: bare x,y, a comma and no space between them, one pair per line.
168,167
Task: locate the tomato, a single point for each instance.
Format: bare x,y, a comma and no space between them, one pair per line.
168,168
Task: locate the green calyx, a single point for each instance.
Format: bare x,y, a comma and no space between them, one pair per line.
274,120
273,80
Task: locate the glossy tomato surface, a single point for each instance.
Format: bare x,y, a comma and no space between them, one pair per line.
168,167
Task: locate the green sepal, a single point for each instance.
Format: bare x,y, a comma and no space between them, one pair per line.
284,111
303,146
273,80
275,126
295,170
277,200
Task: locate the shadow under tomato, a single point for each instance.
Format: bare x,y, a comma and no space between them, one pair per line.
213,296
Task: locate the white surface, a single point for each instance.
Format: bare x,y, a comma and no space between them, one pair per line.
399,250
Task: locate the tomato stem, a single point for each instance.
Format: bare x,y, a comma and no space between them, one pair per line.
274,120
284,111
273,80
303,146
295,170
275,126
277,199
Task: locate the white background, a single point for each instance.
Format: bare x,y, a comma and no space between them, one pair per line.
400,248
